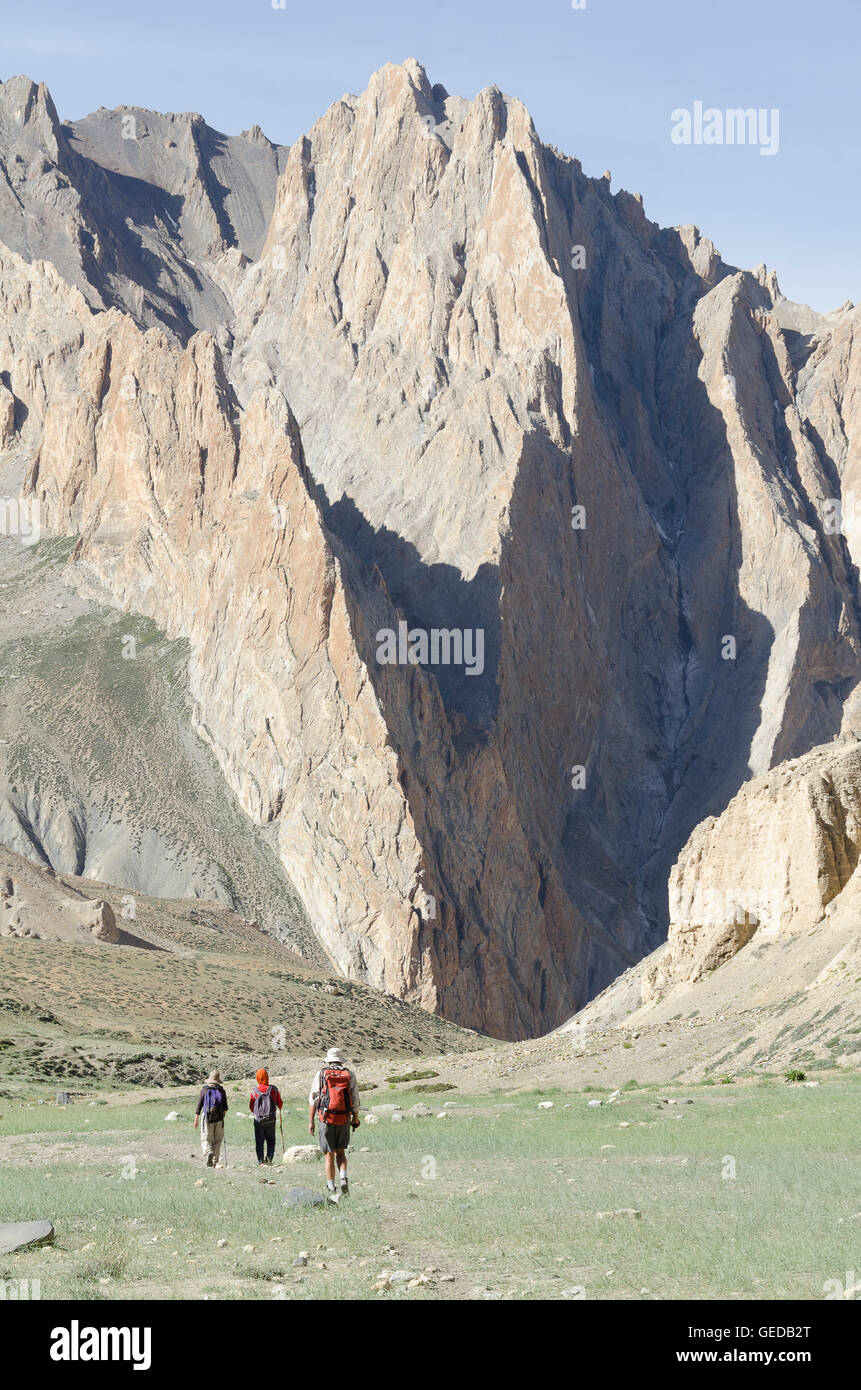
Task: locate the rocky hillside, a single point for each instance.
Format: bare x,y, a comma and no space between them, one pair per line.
99,984
763,958
420,368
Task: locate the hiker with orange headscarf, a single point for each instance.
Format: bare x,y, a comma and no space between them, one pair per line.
264,1105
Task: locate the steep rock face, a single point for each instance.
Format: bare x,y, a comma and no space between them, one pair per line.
419,265
231,554
419,404
101,773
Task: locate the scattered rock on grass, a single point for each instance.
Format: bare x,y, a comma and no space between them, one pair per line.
18,1235
304,1197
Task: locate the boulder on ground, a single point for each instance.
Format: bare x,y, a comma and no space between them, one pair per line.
301,1153
19,1235
304,1197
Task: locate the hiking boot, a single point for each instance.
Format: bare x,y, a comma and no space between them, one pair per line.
345,1188
334,1197
210,1161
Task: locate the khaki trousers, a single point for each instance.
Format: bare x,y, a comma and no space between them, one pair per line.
211,1137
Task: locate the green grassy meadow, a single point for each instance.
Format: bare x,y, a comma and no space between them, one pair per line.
499,1200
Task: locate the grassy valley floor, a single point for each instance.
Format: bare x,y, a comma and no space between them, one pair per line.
751,1191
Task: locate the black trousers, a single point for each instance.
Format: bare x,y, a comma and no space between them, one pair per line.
264,1133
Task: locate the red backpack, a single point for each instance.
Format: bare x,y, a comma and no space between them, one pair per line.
334,1105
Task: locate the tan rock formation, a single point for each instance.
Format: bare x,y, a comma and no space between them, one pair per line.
37,906
783,851
408,401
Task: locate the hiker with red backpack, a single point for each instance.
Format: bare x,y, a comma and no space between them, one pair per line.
212,1104
334,1099
264,1105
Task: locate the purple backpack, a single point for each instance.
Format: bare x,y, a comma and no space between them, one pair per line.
213,1105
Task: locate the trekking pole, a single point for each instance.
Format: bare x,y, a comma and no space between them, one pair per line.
281,1123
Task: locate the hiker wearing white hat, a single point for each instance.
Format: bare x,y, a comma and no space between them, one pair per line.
334,1100
212,1106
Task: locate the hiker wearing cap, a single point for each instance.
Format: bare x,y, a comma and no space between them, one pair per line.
212,1105
264,1105
334,1099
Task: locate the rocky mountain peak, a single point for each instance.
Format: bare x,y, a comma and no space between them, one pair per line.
494,516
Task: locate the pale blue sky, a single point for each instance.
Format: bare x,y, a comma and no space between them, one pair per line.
601,83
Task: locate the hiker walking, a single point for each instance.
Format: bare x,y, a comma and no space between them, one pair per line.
212,1105
264,1105
334,1099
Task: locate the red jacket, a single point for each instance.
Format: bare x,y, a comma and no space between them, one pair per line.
260,1090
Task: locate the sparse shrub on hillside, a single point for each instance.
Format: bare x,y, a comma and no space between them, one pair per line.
410,1076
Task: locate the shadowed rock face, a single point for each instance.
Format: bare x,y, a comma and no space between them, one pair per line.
146,212
360,381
